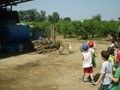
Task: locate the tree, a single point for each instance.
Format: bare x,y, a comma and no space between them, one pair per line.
22,14
32,14
97,17
67,19
28,15
54,18
42,16
78,27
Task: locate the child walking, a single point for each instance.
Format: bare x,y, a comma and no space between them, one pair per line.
87,63
91,45
112,58
116,77
105,70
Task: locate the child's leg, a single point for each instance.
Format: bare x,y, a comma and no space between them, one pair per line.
83,75
82,78
101,87
91,75
105,87
92,79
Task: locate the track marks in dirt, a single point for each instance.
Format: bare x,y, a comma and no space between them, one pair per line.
28,66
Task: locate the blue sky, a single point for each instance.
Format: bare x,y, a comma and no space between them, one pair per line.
75,9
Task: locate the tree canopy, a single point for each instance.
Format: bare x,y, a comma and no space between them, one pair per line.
85,29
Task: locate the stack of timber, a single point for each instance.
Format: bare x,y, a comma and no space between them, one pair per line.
43,46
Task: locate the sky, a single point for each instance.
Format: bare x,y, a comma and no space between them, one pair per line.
75,9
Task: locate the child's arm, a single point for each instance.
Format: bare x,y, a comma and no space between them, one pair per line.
95,54
82,57
100,78
91,55
114,79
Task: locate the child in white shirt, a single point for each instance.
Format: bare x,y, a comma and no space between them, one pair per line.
87,63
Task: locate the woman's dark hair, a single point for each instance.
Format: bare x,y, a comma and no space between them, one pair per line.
105,54
111,50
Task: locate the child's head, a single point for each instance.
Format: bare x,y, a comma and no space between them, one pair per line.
112,41
85,47
116,48
111,50
105,54
91,44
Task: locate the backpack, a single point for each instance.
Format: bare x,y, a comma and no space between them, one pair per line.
114,63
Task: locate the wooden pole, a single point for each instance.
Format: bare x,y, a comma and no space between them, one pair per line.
53,33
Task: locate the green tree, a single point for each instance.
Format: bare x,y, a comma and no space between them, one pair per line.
97,17
22,14
32,15
28,15
54,18
68,19
78,28
42,16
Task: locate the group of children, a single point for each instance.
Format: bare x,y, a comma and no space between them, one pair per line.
110,69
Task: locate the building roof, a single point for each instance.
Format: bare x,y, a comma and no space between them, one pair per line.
4,3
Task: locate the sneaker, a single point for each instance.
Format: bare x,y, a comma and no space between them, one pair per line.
80,79
92,81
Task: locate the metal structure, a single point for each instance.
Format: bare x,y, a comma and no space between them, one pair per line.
5,3
8,22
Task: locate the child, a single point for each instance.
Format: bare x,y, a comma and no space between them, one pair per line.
116,50
112,58
110,36
91,45
116,78
87,63
105,70
112,43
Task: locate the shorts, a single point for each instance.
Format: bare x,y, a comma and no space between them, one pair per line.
88,70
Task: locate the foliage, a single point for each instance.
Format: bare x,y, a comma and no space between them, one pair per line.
67,19
42,16
57,44
54,18
89,28
97,17
28,15
85,30
43,28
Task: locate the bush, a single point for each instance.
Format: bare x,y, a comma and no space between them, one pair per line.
57,44
87,29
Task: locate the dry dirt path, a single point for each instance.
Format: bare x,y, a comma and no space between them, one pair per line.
49,71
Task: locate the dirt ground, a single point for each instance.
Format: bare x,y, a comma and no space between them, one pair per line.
49,71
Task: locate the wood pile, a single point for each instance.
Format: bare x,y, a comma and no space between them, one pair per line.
43,46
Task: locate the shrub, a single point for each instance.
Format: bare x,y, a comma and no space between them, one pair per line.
57,44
